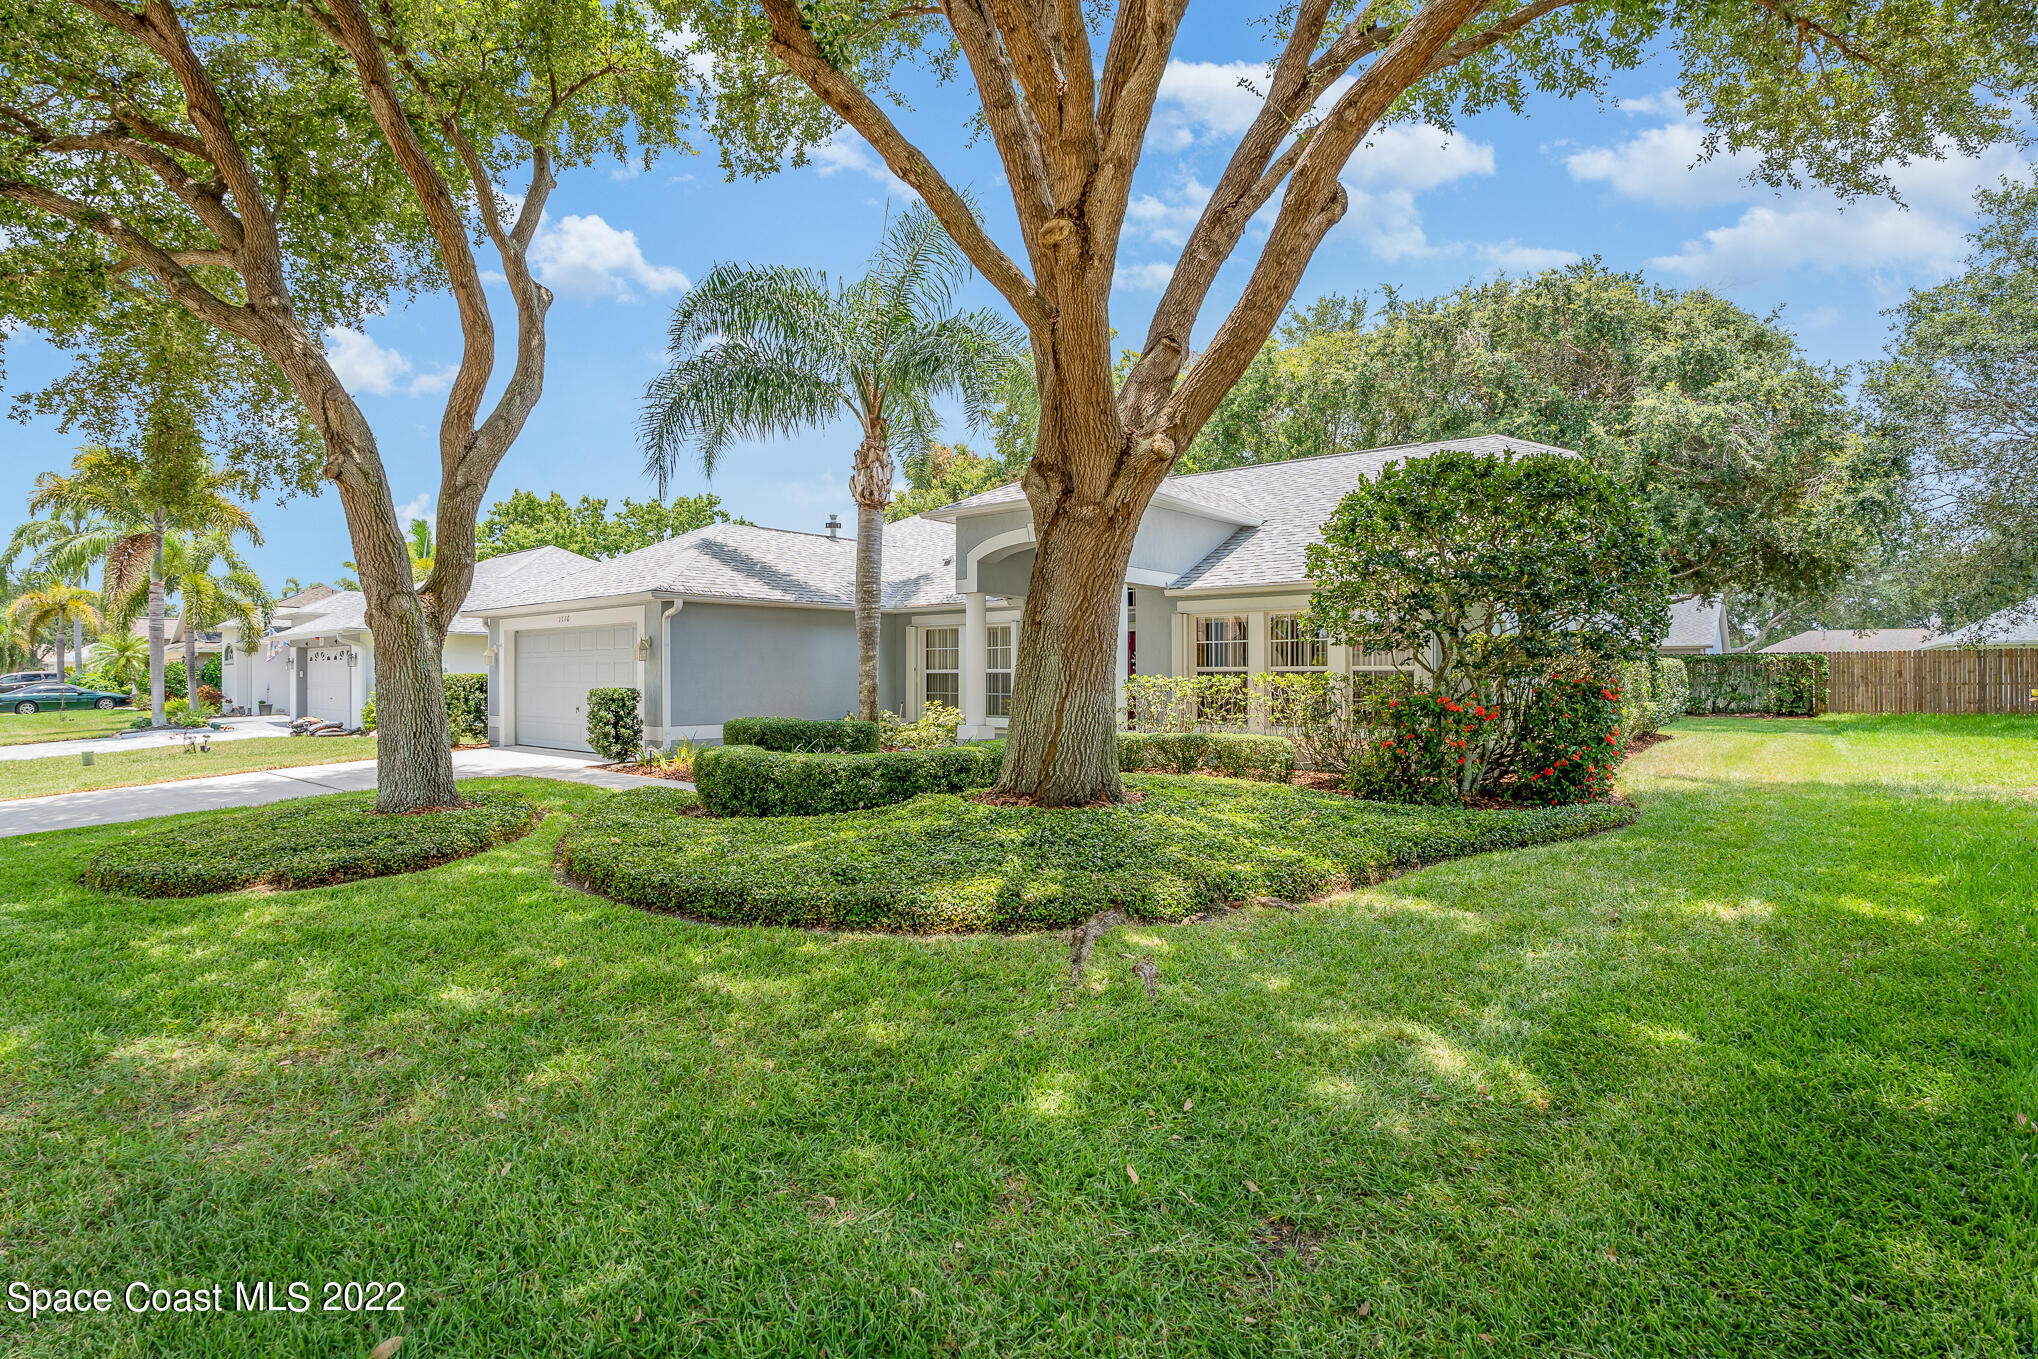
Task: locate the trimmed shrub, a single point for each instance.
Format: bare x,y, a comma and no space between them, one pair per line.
1742,683
748,780
1270,759
307,842
467,708
935,726
614,726
1797,685
368,713
1635,690
844,735
1571,741
952,863
1673,690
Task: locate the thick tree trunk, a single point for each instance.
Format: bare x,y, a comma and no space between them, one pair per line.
156,717
870,484
413,748
1061,748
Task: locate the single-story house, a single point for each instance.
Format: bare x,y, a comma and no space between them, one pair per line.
1698,627
1825,640
317,658
2016,626
733,620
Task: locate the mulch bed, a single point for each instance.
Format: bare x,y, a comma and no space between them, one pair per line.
1644,742
648,771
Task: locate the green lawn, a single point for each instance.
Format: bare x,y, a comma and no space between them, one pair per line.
162,764
20,729
1740,1079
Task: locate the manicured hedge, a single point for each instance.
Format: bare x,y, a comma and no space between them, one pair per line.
615,726
467,708
307,842
1233,754
843,734
747,780
949,862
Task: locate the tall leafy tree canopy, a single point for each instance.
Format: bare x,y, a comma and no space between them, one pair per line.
524,520
1959,394
1748,456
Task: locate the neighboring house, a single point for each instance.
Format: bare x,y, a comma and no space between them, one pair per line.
1823,640
2016,626
1698,627
733,620
317,658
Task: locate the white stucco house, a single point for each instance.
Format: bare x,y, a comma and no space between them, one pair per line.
733,620
317,658
1698,627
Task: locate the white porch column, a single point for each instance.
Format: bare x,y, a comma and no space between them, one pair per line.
976,637
1124,649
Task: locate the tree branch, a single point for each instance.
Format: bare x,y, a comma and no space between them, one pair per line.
794,45
1013,128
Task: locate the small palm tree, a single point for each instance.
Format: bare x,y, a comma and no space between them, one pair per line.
419,547
123,657
768,351
132,503
56,606
51,545
212,584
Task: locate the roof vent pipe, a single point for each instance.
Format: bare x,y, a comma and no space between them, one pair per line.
834,527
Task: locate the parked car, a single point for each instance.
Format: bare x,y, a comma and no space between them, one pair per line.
21,678
43,698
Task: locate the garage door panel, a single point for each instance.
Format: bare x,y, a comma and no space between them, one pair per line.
555,667
328,684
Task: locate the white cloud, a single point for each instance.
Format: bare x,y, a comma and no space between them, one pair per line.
1516,258
1385,175
1662,104
1661,166
847,151
417,507
585,257
1143,277
365,368
1167,218
1199,98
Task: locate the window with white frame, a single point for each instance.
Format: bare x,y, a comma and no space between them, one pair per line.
998,670
1293,645
941,656
1220,645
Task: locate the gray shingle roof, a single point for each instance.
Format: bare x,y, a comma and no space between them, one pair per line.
2014,626
1293,499
347,610
1694,623
742,562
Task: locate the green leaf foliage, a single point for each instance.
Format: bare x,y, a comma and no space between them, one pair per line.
837,735
615,724
523,520
467,708
306,842
747,780
1748,457
1234,755
948,862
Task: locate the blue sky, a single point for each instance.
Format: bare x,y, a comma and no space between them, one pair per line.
1429,212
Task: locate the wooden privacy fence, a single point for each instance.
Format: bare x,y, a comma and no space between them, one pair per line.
1997,680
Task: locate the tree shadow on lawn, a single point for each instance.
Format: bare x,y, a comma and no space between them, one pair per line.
1738,1077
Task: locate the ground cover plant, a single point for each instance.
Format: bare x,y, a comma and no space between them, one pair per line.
1742,1078
801,734
20,729
306,842
949,862
164,764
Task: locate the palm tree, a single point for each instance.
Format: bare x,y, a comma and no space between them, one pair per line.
135,502
212,584
768,351
52,546
421,554
123,657
57,606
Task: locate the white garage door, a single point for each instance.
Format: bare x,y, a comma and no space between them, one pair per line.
328,683
555,669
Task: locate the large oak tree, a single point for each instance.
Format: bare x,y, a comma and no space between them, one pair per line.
276,169
1829,89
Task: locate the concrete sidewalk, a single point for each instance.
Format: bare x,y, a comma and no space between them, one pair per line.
110,806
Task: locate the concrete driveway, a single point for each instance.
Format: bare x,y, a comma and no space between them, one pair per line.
110,806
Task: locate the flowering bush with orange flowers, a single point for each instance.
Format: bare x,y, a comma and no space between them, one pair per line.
1420,746
1568,743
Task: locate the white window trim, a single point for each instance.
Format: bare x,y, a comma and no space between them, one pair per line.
1243,642
926,673
1303,635
1011,662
